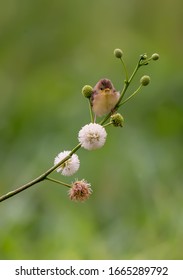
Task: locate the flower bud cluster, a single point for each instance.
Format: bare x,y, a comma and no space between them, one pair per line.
117,120
87,91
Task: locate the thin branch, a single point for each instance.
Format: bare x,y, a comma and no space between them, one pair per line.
58,182
132,95
39,178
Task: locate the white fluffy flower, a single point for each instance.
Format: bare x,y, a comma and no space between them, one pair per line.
92,136
70,166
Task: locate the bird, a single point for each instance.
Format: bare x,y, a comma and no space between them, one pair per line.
104,97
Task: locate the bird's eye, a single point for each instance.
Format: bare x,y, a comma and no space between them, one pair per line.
101,88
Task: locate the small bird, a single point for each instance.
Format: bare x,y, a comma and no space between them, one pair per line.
104,97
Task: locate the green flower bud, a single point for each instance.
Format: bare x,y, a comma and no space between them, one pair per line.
155,56
145,80
143,56
87,91
117,120
118,53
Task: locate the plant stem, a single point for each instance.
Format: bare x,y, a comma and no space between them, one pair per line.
132,95
127,83
107,124
91,112
39,178
125,69
58,182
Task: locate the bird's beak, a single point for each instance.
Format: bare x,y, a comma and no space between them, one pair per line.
107,90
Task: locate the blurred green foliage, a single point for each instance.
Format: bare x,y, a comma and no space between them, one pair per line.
48,51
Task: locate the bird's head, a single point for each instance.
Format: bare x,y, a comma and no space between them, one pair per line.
104,86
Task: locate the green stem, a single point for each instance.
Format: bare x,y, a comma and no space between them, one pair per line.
125,69
132,95
107,124
39,178
91,112
58,182
127,83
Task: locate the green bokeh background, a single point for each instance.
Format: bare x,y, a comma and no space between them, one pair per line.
48,51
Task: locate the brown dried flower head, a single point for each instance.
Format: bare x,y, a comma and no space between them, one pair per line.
80,191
